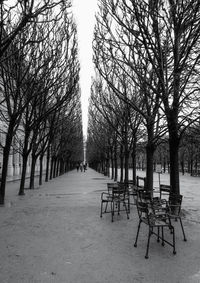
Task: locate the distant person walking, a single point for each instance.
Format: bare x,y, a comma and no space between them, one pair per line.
84,167
81,166
77,166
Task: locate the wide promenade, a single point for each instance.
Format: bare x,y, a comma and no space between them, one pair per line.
54,234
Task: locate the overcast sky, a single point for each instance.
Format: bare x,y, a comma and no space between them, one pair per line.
84,11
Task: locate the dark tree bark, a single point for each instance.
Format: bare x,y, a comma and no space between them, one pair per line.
115,162
41,169
32,175
6,152
23,176
47,164
133,155
25,154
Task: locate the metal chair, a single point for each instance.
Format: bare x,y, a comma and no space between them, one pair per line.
118,199
125,187
132,188
147,215
106,198
173,204
174,210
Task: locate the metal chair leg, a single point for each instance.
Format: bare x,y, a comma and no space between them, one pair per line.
118,207
112,210
158,236
101,209
163,243
135,245
106,207
129,205
184,237
174,248
127,211
148,242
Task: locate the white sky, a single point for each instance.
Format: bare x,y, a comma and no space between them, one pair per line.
84,11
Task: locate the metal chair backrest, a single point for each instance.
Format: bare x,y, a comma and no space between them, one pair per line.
110,186
139,180
120,191
165,190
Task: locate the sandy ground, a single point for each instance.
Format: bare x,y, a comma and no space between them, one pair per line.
55,234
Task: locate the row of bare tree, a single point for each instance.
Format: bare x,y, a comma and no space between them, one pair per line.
146,88
40,110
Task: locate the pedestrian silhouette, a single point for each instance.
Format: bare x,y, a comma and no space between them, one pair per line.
81,167
77,167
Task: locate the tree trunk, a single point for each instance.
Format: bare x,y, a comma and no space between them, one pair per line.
47,164
191,166
164,166
32,176
196,167
126,166
168,166
112,168
41,169
107,167
6,152
115,163
188,166
112,163
174,163
133,155
57,166
23,176
149,167
52,166
150,148
182,167
60,169
24,163
121,164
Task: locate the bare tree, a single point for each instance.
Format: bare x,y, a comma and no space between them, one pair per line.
13,72
130,75
16,15
170,38
120,118
57,83
165,36
44,75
